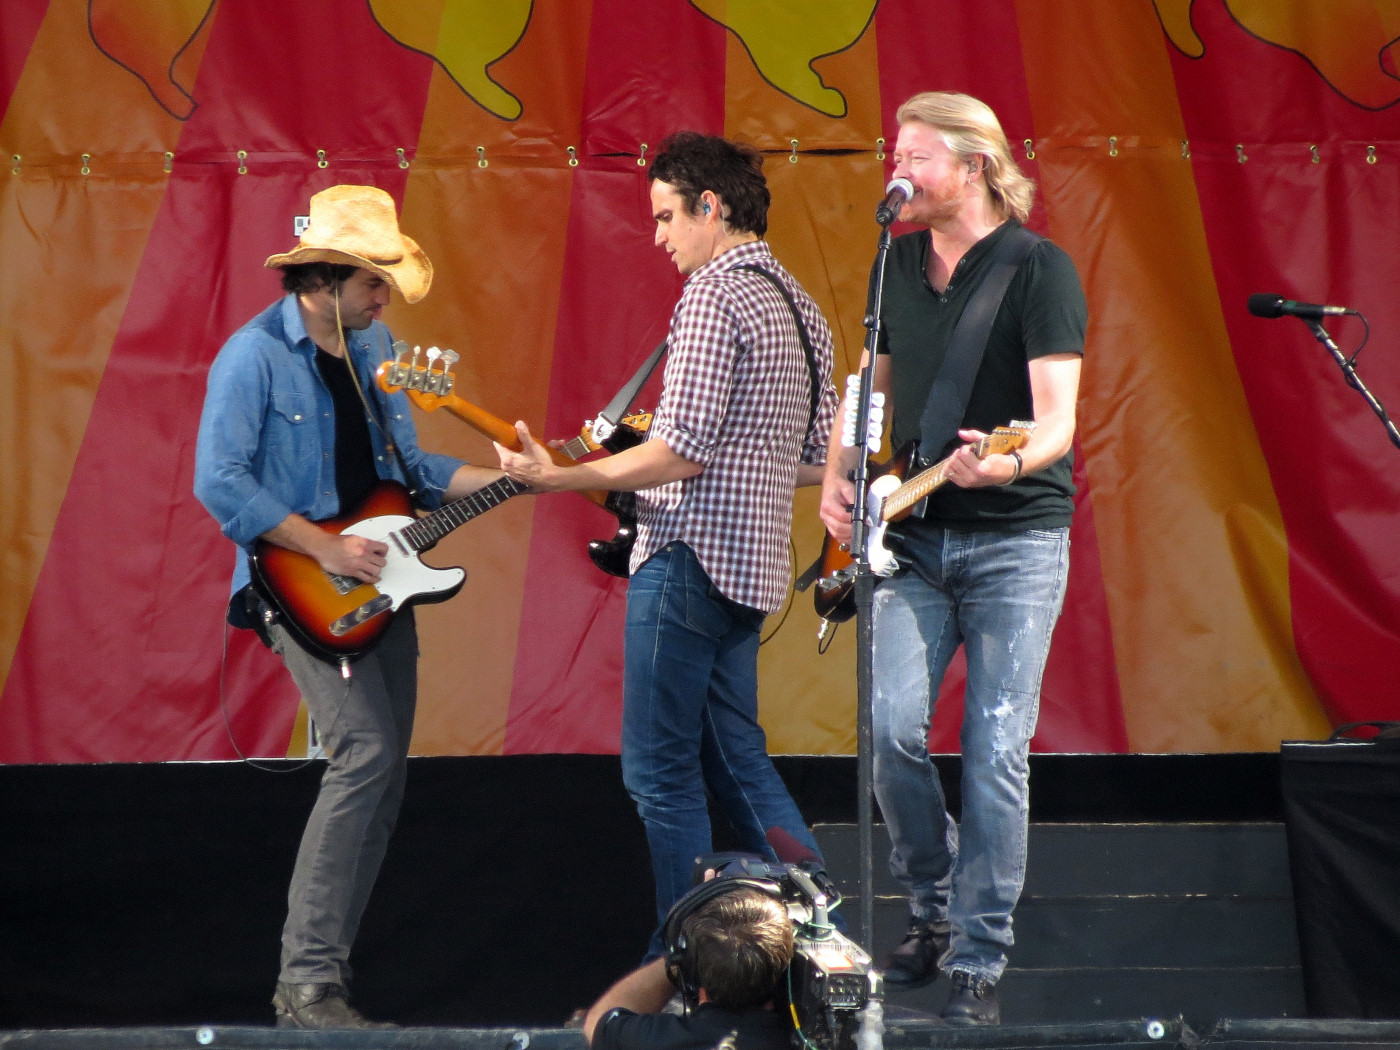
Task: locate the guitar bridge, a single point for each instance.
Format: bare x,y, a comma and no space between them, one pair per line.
343,584
372,608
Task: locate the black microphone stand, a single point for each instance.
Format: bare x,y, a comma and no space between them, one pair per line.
1353,380
864,597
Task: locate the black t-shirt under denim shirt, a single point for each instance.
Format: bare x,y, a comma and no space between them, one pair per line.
1043,312
354,455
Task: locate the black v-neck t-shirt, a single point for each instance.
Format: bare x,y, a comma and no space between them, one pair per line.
354,454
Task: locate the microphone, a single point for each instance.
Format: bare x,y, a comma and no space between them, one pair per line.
896,193
1262,304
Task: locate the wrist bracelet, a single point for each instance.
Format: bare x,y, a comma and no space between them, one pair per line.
1017,457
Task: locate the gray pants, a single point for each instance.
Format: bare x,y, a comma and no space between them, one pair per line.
365,726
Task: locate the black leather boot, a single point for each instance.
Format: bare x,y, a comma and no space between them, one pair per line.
915,962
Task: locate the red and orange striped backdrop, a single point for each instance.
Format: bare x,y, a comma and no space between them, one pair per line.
1236,576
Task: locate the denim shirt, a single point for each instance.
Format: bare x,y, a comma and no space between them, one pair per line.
266,444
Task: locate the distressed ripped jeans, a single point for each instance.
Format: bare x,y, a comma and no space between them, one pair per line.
998,595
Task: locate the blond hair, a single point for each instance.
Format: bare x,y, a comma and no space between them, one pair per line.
969,128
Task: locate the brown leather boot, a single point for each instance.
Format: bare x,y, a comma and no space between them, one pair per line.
317,1006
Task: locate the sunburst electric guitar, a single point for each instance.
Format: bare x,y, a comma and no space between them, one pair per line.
888,499
341,617
426,377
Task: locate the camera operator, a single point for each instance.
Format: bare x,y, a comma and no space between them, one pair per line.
727,962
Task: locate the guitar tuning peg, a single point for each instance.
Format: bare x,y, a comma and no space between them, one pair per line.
450,358
400,349
416,351
433,353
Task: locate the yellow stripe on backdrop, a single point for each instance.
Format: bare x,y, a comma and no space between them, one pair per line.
1191,539
821,228
73,244
499,266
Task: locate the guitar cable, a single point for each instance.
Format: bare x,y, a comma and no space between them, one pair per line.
787,605
228,722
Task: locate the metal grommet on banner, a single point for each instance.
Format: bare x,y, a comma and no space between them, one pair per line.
321,161
87,164
1185,149
1370,155
481,156
169,161
1316,156
15,158
573,157
642,157
1113,145
879,149
243,162
792,157
403,159
1239,153
1030,149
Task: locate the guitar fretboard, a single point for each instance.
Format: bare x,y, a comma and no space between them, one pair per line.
427,530
576,448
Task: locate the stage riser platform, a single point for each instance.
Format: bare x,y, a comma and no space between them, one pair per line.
1163,920
514,891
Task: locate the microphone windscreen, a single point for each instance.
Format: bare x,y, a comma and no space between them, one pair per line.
1262,304
788,849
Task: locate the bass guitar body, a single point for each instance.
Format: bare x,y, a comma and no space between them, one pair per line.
341,617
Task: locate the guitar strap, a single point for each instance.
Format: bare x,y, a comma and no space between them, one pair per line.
952,388
414,491
623,399
812,372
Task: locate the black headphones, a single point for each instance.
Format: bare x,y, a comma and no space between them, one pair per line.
682,967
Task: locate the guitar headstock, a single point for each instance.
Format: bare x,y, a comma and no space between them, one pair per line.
1004,439
428,385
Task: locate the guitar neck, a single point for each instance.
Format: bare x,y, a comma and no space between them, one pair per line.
576,448
923,483
430,528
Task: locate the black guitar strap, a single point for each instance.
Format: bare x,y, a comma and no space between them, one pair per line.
812,372
952,388
623,399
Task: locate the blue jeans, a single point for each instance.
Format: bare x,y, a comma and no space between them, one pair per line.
690,723
998,595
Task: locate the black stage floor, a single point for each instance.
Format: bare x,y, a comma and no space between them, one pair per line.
903,1030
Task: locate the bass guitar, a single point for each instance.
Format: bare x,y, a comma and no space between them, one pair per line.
341,617
890,498
429,386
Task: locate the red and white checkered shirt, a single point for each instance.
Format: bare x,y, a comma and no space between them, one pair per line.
736,398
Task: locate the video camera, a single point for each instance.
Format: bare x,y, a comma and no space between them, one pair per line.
830,981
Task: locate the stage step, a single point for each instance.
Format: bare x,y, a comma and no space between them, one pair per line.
1178,920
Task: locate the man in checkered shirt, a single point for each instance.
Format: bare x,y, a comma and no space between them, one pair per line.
743,418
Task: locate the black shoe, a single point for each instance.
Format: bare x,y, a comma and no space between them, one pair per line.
317,1006
973,1000
915,962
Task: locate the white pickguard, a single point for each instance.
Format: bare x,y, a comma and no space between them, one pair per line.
404,577
882,562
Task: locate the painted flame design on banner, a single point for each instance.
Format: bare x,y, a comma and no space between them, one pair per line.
784,38
468,37
149,38
1350,43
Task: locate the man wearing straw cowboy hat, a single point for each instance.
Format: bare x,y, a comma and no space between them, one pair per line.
294,431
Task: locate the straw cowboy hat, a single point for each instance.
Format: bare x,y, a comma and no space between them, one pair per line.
357,226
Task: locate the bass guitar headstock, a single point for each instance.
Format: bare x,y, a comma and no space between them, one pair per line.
428,385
